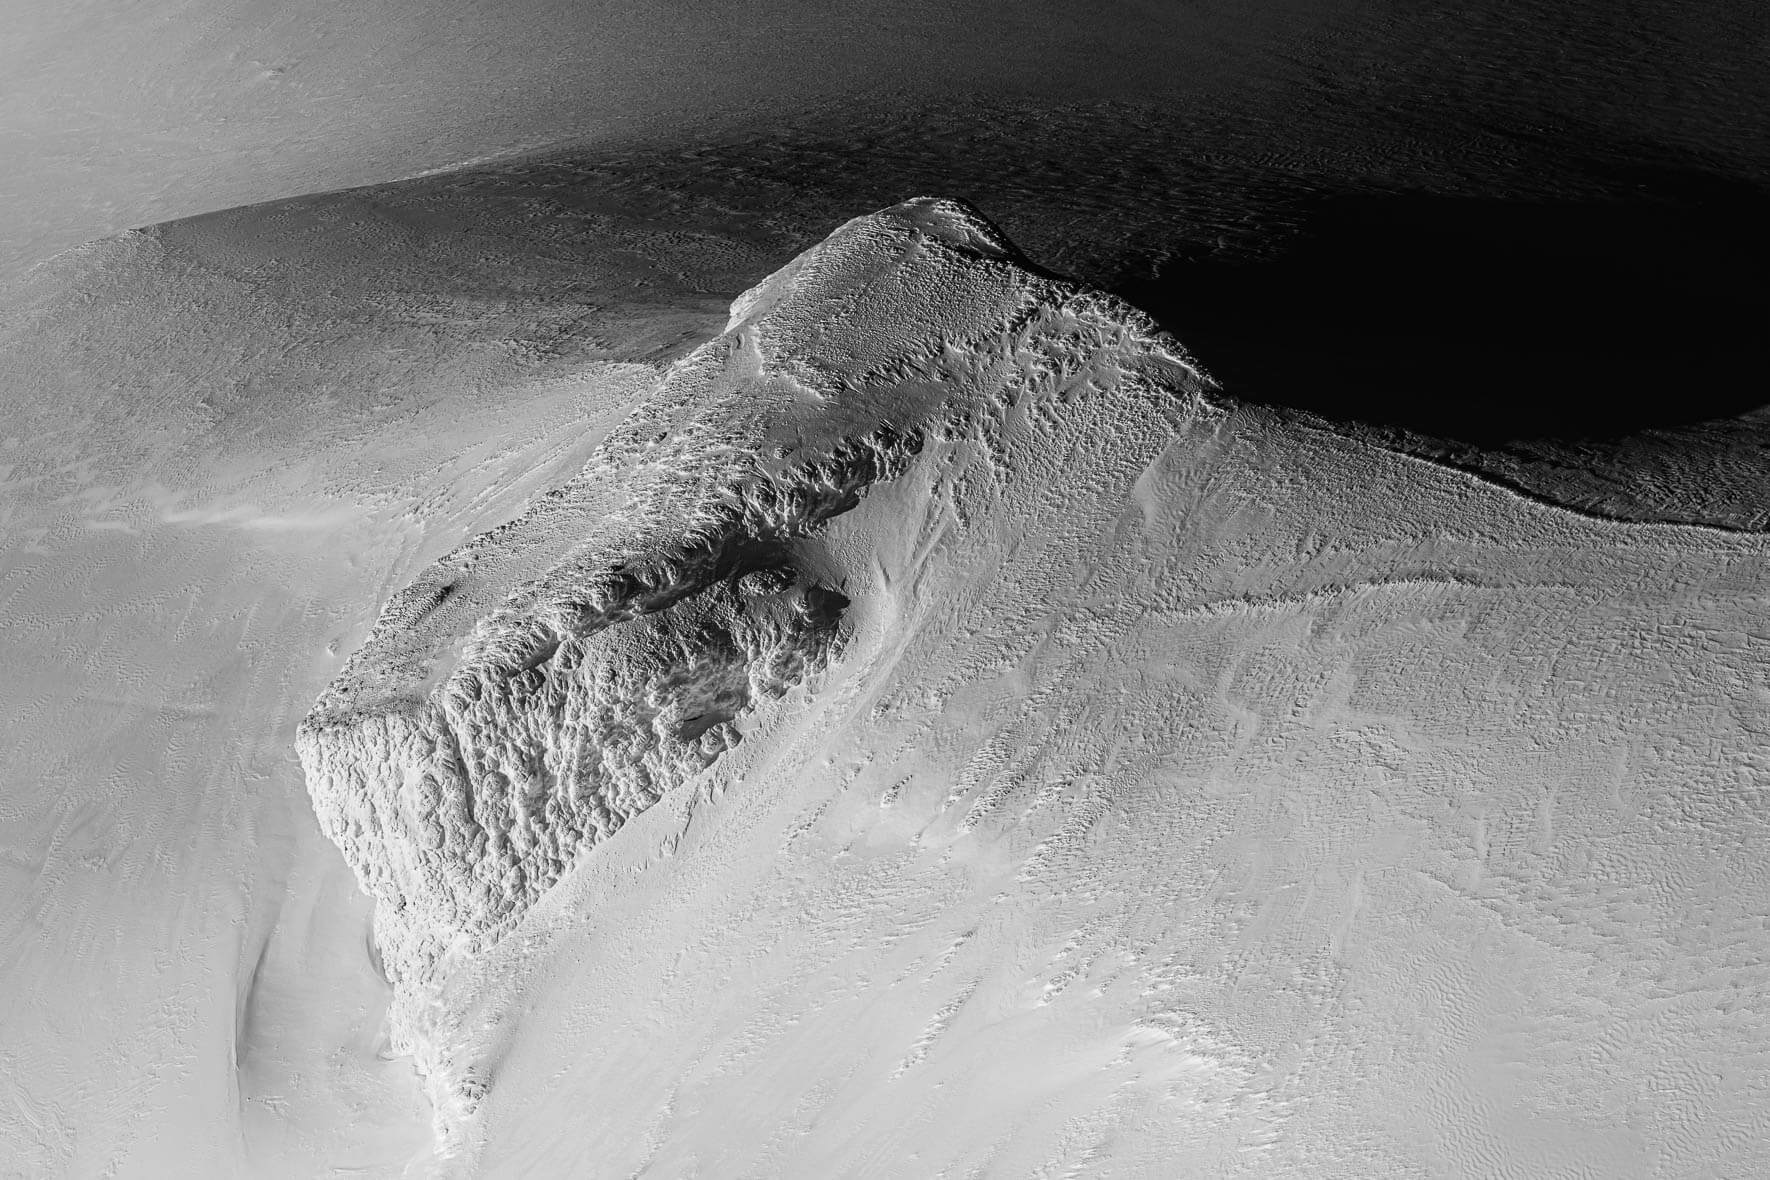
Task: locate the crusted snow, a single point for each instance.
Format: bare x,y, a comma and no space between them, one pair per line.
540,686
934,736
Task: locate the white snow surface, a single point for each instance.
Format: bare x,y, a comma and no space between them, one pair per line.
935,736
211,481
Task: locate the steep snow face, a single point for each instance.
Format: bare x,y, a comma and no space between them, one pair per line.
539,687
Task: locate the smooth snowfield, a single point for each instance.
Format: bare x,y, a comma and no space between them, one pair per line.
1188,790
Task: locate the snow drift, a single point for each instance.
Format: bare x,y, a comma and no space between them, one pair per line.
935,735
554,677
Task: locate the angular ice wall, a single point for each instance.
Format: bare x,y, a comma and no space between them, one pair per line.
549,680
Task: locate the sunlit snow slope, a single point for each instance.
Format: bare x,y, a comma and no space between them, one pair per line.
213,469
936,736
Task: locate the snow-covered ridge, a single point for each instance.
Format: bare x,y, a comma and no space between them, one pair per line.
1150,779
552,678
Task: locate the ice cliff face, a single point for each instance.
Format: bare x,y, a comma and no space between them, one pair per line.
551,679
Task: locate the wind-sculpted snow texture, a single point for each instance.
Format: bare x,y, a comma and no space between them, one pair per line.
538,688
1131,783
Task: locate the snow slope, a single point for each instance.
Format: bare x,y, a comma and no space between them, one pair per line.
213,476
935,736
